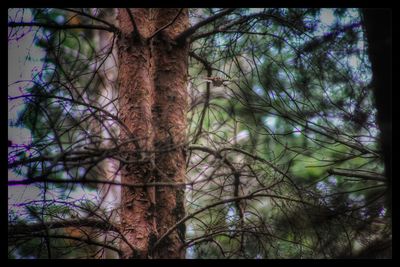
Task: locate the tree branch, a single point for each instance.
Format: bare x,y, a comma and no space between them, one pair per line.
234,199
135,32
62,27
358,174
19,229
79,239
208,67
167,25
88,181
182,37
214,152
245,19
91,17
226,26
205,63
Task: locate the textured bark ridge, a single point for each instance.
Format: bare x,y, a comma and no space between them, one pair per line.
153,104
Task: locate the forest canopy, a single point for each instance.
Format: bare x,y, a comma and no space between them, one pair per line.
259,133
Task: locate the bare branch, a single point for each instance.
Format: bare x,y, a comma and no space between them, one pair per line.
135,32
167,25
63,26
234,199
358,174
91,181
19,229
181,37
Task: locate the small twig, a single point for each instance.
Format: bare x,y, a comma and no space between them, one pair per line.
91,17
62,26
208,67
248,196
18,229
167,25
135,29
181,37
88,181
357,174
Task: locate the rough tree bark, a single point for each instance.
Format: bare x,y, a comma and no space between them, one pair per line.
153,103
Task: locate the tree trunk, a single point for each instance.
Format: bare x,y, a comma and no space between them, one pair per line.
110,195
378,27
153,103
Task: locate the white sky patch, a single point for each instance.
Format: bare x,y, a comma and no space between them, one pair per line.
356,198
190,250
354,61
258,90
21,194
60,19
231,217
270,121
382,212
231,213
190,253
19,135
25,60
351,13
242,136
271,94
322,187
296,131
332,180
326,16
